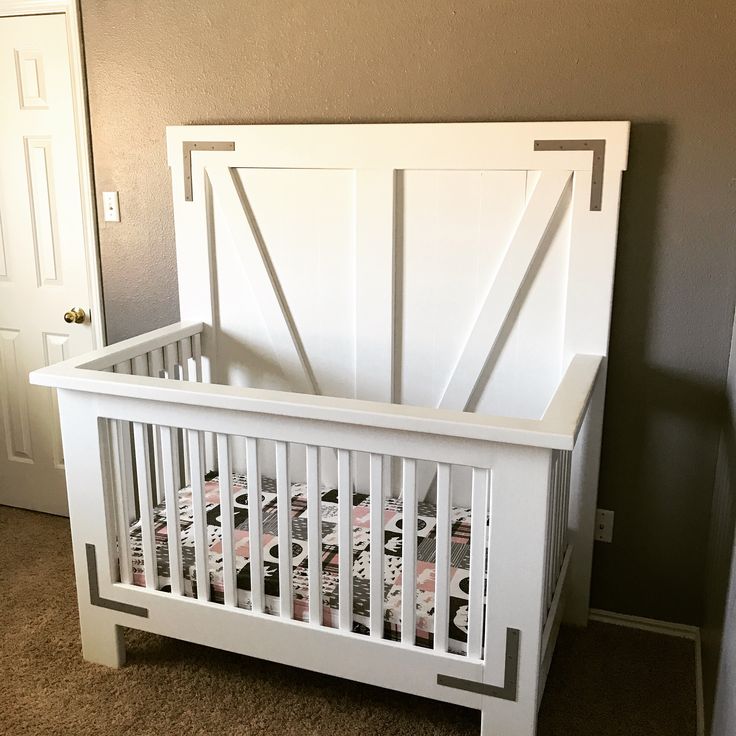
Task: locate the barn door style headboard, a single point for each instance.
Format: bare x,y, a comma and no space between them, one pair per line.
444,265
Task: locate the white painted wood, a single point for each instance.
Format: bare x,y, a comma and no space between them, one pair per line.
122,482
442,562
501,296
43,255
409,553
345,540
314,535
185,365
171,360
173,526
199,513
478,542
374,284
225,472
145,503
376,541
255,524
283,507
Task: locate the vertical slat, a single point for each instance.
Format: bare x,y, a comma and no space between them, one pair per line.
197,357
145,502
442,560
566,503
201,553
140,365
185,354
172,511
155,367
409,553
376,541
557,513
171,356
123,446
123,487
283,501
255,526
314,535
345,542
478,528
549,551
224,471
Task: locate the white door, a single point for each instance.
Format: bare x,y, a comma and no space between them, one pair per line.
43,269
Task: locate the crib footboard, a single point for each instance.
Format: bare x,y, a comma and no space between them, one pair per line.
304,531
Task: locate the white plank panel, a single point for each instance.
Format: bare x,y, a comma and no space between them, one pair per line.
502,294
283,505
345,537
374,284
173,526
225,474
314,535
199,513
442,560
376,553
255,525
145,503
409,553
478,538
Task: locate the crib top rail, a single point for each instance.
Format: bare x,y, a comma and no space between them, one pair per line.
557,429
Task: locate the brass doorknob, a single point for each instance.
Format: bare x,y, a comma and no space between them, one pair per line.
75,316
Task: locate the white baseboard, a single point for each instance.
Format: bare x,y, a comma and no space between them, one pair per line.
666,628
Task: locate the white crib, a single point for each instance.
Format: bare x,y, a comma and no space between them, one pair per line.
412,315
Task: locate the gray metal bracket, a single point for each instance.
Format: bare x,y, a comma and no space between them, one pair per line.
94,589
507,691
597,146
187,148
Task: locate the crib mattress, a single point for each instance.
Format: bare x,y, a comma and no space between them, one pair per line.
426,530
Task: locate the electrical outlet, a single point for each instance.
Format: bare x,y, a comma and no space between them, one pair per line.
110,207
603,525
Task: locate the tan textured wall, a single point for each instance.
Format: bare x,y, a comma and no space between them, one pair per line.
667,66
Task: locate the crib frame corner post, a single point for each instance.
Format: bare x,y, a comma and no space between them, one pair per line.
518,540
91,515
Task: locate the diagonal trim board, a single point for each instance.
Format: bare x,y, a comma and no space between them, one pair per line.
251,248
503,292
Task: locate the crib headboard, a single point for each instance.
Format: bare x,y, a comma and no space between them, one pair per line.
457,265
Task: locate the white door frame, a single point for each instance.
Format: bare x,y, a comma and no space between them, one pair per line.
70,9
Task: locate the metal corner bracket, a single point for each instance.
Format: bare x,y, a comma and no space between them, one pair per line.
507,691
597,146
187,148
94,589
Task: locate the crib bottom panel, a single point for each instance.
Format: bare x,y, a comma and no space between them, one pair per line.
426,529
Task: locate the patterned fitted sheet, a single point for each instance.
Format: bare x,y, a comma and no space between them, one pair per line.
426,530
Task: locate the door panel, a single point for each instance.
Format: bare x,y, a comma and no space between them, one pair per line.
43,269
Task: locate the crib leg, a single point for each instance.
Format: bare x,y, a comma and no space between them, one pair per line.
102,640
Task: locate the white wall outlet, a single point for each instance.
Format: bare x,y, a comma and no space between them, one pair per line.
110,207
603,525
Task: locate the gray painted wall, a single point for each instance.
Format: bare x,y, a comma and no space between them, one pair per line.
666,66
719,625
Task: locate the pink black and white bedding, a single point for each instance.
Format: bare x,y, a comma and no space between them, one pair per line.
426,529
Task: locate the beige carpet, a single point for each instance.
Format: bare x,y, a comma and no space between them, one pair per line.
605,680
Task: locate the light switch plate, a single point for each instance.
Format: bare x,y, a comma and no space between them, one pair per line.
603,525
110,207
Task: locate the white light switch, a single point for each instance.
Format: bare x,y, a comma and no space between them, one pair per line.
110,207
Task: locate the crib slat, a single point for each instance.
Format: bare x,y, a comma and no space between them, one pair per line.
197,357
442,560
201,552
185,354
171,356
255,526
122,483
283,502
409,553
145,502
171,493
155,367
376,537
314,535
345,541
478,528
225,473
